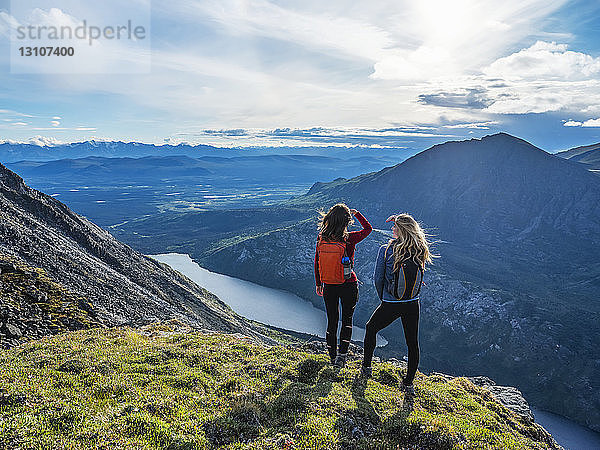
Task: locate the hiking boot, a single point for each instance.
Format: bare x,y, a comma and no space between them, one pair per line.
340,361
366,372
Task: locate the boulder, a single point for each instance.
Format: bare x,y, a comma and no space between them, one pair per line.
13,331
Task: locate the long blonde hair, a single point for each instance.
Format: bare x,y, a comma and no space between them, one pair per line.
412,242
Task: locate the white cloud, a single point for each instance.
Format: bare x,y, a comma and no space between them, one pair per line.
572,123
259,64
441,32
7,22
546,61
475,125
333,27
55,123
308,63
544,77
10,112
102,56
54,17
312,137
591,123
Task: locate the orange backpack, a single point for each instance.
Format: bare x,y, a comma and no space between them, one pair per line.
330,254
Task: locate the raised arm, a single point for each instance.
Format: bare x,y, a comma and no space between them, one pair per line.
357,236
379,275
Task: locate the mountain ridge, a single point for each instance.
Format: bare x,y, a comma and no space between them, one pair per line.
12,152
587,154
124,286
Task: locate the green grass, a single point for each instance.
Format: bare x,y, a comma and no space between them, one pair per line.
118,388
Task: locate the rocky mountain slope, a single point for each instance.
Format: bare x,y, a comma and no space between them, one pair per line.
33,306
121,285
514,295
170,387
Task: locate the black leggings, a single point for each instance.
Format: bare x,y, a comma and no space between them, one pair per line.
332,294
384,315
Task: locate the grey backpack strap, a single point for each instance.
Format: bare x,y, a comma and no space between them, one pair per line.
421,282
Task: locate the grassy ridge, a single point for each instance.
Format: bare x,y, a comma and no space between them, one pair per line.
163,388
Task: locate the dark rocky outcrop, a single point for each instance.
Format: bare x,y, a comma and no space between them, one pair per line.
33,306
509,396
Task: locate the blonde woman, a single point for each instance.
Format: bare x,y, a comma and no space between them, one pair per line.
398,277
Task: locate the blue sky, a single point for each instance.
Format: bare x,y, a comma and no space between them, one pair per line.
381,74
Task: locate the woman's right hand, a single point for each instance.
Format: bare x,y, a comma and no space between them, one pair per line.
391,218
319,290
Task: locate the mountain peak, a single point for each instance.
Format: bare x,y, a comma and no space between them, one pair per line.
492,148
499,135
504,137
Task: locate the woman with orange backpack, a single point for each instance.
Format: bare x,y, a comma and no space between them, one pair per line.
336,281
398,278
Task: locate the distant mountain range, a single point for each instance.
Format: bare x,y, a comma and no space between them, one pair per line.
114,190
587,154
105,170
13,152
515,292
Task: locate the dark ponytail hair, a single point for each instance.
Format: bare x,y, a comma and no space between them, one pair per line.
333,224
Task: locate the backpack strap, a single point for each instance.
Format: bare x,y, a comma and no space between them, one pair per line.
396,276
396,273
421,282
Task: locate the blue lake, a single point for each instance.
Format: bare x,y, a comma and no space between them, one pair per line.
271,306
